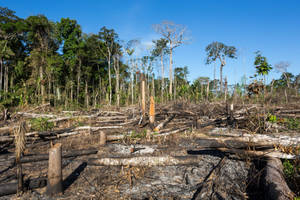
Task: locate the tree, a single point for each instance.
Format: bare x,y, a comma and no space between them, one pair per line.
175,34
129,49
11,47
69,33
282,67
180,82
262,66
109,37
219,51
41,42
160,49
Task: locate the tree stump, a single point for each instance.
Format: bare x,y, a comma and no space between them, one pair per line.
54,185
103,138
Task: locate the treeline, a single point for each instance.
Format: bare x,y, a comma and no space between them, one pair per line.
44,61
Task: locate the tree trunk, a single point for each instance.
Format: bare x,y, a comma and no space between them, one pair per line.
287,80
143,95
42,82
99,90
71,94
109,78
207,90
171,71
132,80
162,78
226,88
1,75
86,94
221,78
175,88
153,86
117,69
78,80
5,78
118,82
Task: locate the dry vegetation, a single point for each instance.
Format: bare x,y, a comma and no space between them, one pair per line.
192,151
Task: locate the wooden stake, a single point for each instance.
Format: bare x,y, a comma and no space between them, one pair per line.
152,111
102,138
54,185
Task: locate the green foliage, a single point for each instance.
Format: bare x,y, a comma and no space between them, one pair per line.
272,118
218,50
261,64
288,169
41,124
138,135
292,124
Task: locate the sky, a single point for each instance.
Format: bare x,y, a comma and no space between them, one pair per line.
271,26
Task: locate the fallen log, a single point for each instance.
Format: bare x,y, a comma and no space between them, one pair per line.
164,123
38,107
266,154
59,133
283,140
42,157
11,188
146,161
275,186
34,115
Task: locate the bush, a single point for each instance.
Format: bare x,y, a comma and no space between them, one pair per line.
41,124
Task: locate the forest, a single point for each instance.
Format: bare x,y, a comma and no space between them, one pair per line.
42,60
137,118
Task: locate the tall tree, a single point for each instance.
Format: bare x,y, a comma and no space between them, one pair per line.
130,49
42,42
219,51
175,34
11,45
109,37
69,33
160,49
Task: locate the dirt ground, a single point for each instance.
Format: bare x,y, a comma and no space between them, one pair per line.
215,175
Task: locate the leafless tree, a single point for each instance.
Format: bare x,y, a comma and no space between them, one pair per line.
282,67
176,35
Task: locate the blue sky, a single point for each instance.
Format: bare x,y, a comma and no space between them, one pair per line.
271,26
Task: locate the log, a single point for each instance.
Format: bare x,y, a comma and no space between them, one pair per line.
34,115
59,133
164,123
42,157
54,183
283,140
38,107
146,161
275,186
11,188
265,154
